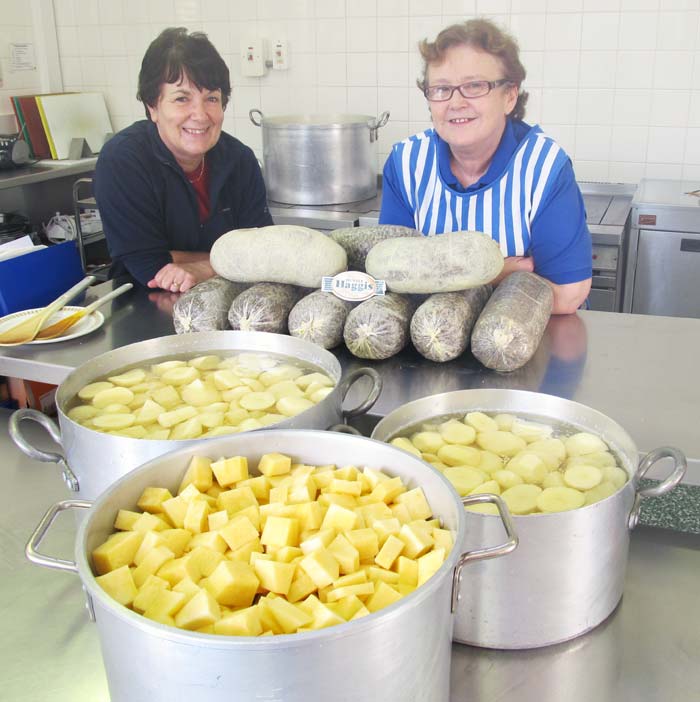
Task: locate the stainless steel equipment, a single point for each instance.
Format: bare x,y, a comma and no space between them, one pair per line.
400,652
607,214
319,159
567,574
92,460
664,249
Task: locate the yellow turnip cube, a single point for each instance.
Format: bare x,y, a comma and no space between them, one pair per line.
204,560
345,487
302,586
309,514
417,541
176,509
388,576
217,520
196,517
388,490
230,470
365,541
152,499
145,594
346,607
359,590
321,567
407,568
118,550
359,576
198,473
187,587
175,570
322,615
119,584
125,519
274,576
238,532
279,494
164,605
243,553
244,622
321,539
260,486
151,563
208,539
416,503
443,539
200,611
289,616
429,564
385,528
151,539
236,499
176,540
332,498
347,473
390,551
280,531
400,512
375,511
345,553
288,554
303,491
339,518
233,583
383,596
274,464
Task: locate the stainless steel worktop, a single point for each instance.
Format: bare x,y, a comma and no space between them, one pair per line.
640,370
647,651
45,170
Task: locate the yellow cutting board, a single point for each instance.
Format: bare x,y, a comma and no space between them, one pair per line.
74,115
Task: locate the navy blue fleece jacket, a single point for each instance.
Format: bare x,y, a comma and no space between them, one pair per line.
149,208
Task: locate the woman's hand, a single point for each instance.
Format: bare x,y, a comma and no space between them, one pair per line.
178,277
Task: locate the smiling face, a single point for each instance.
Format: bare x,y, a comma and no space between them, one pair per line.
188,120
470,125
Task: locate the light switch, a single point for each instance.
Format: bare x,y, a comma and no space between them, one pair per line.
252,57
280,54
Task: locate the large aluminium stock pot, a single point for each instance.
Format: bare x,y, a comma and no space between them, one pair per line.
399,653
91,460
319,159
568,572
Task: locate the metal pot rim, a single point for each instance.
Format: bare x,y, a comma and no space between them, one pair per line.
306,121
281,640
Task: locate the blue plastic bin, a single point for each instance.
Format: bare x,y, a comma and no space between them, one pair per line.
38,278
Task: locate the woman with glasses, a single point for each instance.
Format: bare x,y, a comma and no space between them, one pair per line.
168,186
482,168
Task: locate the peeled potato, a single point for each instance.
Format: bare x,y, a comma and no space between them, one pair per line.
529,466
128,379
502,443
257,400
458,455
427,441
454,432
112,422
82,412
199,393
584,443
506,478
583,477
481,421
180,375
522,499
291,406
559,499
531,431
464,478
203,363
90,390
112,396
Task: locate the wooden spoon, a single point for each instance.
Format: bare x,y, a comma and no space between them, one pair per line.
27,329
58,328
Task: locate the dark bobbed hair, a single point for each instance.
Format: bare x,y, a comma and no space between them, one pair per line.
174,54
483,35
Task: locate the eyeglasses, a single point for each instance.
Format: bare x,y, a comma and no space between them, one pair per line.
473,89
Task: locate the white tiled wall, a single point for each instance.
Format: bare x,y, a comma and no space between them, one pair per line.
617,82
15,27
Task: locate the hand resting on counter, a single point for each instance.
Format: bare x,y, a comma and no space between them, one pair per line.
187,269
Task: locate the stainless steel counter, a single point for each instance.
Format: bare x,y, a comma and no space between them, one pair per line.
640,370
647,651
45,170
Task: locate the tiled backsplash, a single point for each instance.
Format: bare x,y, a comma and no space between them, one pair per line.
617,82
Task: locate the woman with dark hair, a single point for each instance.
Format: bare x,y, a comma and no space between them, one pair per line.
167,187
482,168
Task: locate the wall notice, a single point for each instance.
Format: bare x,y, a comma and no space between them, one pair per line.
22,57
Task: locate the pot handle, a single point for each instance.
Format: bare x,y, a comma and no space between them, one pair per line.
679,467
252,119
36,454
376,125
367,404
484,553
345,429
37,537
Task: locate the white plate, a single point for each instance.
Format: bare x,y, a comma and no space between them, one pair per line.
86,325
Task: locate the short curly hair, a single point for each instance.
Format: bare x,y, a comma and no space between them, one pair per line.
174,54
484,35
